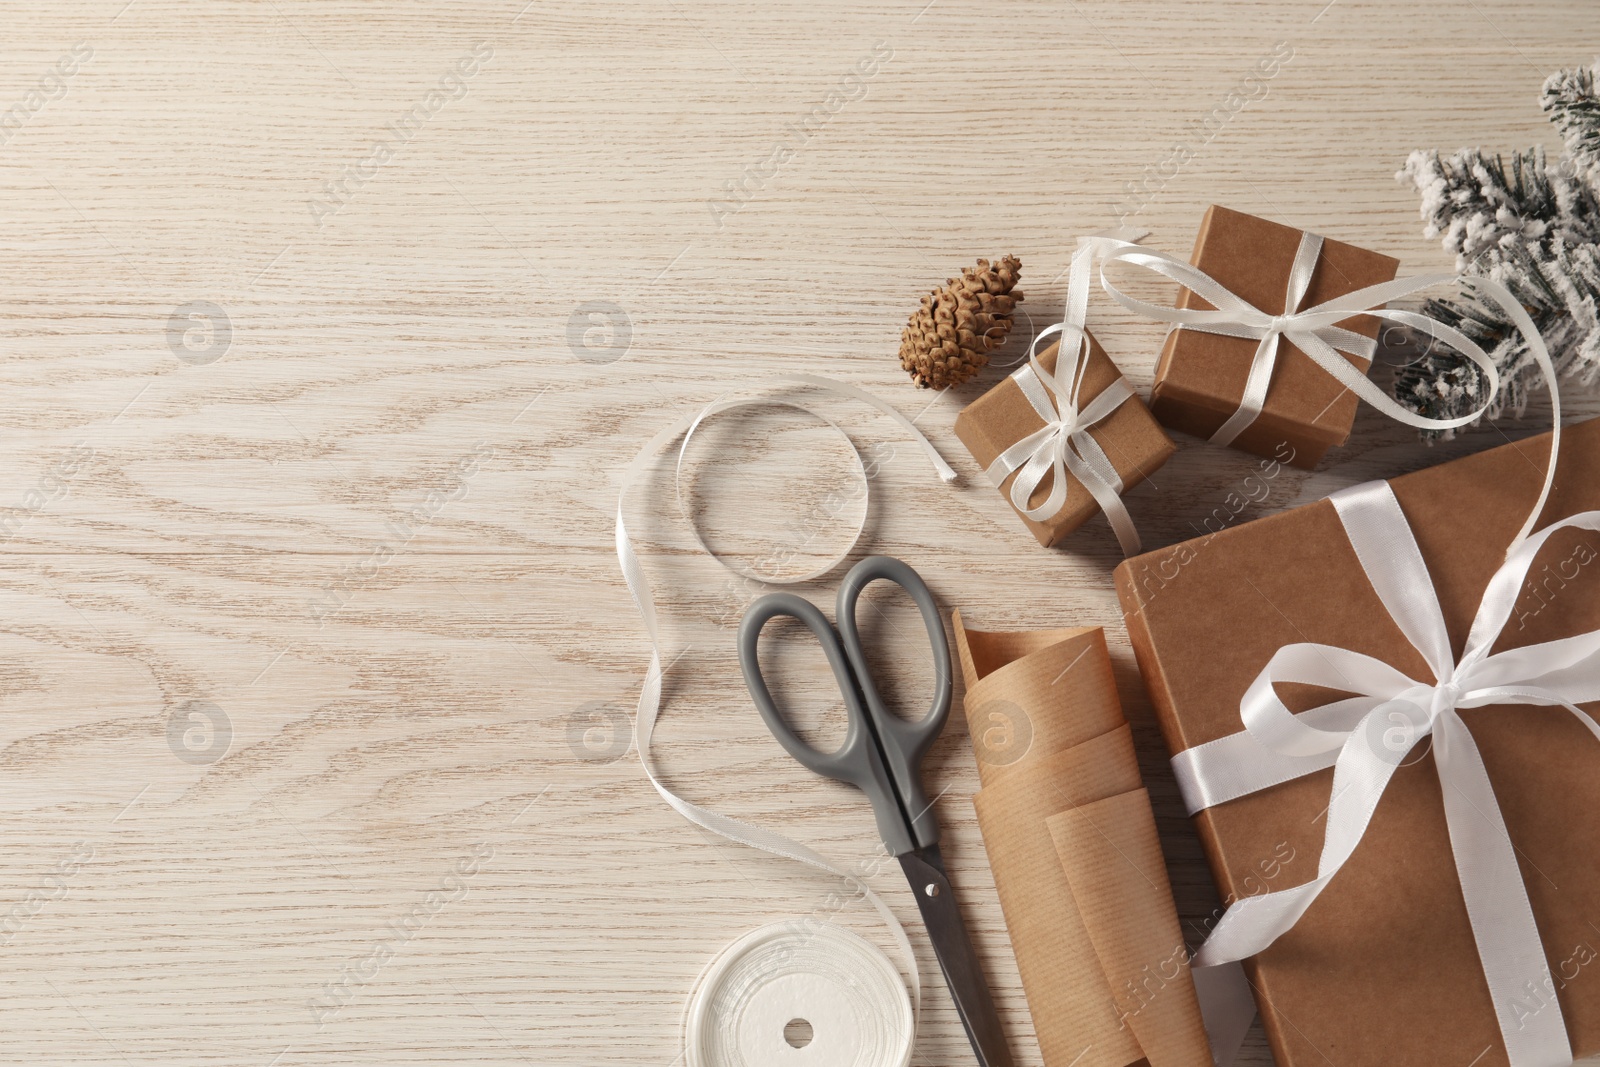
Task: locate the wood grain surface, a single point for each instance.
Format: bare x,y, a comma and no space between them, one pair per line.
329,328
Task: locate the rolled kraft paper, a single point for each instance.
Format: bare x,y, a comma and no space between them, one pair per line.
1074,1015
1133,922
1033,693
1057,763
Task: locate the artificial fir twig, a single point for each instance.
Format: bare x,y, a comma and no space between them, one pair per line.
1531,226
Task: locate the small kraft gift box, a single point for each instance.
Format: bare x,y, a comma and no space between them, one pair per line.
1131,442
1202,377
1464,923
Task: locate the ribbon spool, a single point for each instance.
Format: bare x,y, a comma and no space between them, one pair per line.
788,976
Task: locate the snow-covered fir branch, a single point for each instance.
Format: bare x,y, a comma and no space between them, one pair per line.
1534,227
1570,101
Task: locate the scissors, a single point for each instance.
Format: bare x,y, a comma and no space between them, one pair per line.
882,756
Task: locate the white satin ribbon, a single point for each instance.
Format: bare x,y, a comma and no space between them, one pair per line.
1364,738
649,707
1063,445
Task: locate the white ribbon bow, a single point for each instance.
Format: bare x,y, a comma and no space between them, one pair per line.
1236,317
1063,445
1366,737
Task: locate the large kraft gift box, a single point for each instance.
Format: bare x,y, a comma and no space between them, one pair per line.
1201,376
1382,969
1130,436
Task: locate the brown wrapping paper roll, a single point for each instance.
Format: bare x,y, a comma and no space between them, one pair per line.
1070,836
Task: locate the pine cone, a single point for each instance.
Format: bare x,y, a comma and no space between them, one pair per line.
949,338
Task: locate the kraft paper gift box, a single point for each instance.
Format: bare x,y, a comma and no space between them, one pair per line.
1132,439
1200,379
1069,833
1383,968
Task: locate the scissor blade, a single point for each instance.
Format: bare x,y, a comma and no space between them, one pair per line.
925,871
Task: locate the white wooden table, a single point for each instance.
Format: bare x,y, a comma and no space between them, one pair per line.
329,327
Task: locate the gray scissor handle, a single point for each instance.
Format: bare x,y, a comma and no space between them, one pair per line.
904,743
856,761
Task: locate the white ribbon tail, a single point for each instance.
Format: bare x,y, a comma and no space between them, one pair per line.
1227,1009
1253,923
1497,904
845,388
1541,357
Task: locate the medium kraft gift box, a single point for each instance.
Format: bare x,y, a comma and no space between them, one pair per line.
1383,969
1132,439
1201,376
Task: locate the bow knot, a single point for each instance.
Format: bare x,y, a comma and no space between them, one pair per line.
1279,324
1397,725
1063,444
1064,425
1446,696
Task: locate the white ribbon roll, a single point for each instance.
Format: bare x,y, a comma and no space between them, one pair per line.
649,707
845,992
